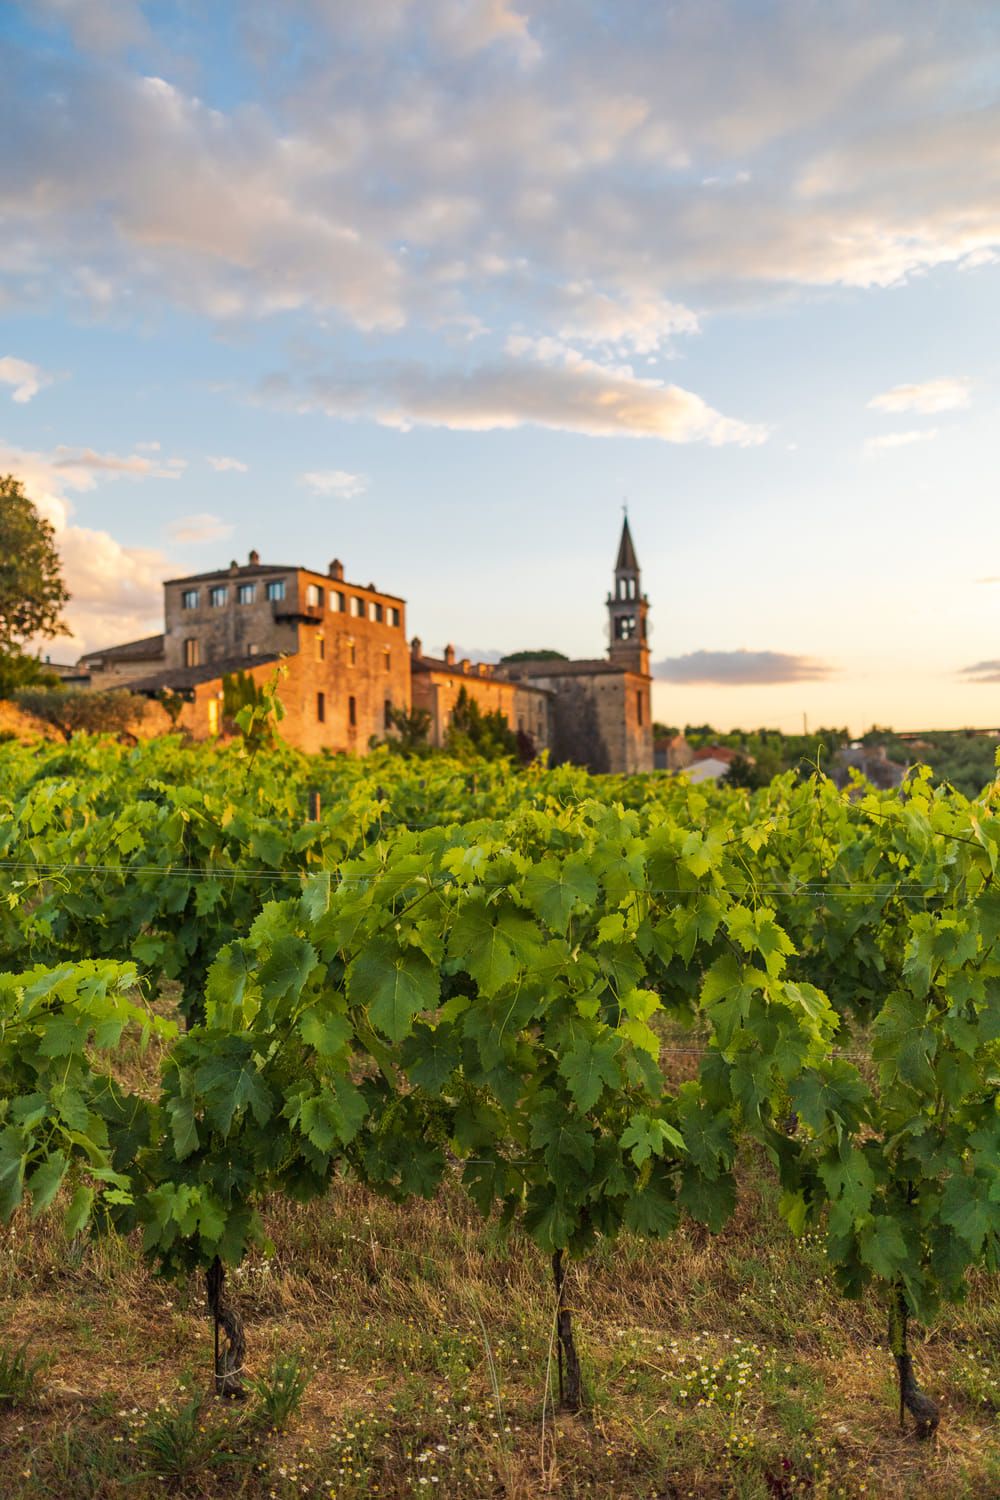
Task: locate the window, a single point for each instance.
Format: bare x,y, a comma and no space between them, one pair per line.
393,615
387,714
387,659
314,596
252,649
375,612
321,707
352,712
189,599
320,648
357,606
191,654
638,708
338,602
246,593
218,597
352,654
276,590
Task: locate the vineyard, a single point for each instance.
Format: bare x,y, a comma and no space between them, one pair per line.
505,1075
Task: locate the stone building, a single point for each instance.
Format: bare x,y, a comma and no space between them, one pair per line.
600,709
345,663
343,648
436,683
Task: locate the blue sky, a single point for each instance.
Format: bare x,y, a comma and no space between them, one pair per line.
432,285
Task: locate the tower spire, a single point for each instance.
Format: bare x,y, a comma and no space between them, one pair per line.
628,607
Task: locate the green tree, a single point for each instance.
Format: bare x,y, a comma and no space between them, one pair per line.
473,734
76,712
545,655
412,728
32,592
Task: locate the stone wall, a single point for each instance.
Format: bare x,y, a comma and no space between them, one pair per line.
436,688
369,682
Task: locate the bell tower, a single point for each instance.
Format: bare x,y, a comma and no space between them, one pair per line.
628,608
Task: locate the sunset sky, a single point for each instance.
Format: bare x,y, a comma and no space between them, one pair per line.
435,285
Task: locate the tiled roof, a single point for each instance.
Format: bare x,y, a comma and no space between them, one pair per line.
437,664
149,646
179,678
599,666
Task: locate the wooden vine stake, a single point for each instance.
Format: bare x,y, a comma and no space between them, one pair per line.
229,1359
313,806
572,1396
924,1410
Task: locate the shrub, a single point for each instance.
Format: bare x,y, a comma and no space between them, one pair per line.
74,712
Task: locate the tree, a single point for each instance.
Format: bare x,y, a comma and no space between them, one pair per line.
32,592
473,733
545,655
412,729
76,712
18,671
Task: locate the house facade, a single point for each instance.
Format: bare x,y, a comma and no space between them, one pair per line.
346,665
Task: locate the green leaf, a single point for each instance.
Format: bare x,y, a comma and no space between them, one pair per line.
45,1181
652,1212
430,1055
230,1083
554,889
394,984
588,1066
287,968
967,1207
328,1033
904,1043
883,1247
13,1147
78,1213
646,1137
183,1125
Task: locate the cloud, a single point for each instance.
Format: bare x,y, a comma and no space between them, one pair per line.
136,465
27,379
928,397
339,482
481,164
900,439
227,465
982,671
540,383
993,578
736,668
116,591
101,26
203,527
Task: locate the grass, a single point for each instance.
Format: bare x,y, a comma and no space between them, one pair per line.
423,1365
719,1367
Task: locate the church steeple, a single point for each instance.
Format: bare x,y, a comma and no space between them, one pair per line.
628,608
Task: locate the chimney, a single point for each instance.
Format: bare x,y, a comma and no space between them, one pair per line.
336,570
234,566
254,557
449,655
416,648
465,664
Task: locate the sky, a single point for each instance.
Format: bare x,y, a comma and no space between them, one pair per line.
436,286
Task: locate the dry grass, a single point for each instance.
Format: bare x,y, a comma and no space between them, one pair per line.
723,1367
